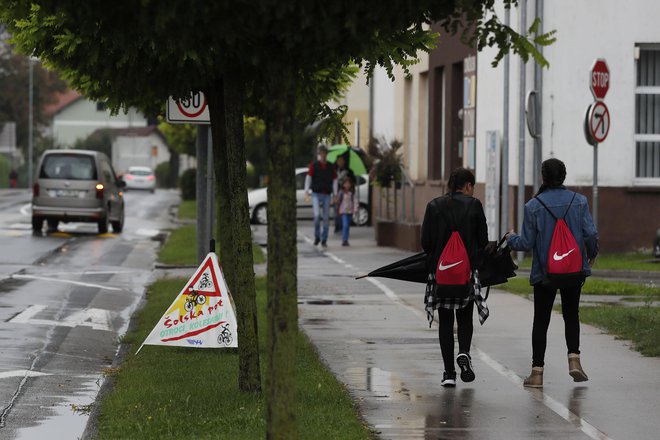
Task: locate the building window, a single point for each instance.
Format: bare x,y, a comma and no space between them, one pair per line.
647,114
101,106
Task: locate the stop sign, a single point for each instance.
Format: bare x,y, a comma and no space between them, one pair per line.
600,79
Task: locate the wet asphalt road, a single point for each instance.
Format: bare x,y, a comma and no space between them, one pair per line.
373,335
65,299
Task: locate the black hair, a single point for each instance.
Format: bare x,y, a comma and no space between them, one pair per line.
553,172
459,177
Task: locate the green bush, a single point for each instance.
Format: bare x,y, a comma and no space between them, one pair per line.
187,184
163,177
5,168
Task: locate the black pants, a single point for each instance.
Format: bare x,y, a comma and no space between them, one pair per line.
446,332
544,298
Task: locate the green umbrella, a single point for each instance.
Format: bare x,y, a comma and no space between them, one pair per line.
353,158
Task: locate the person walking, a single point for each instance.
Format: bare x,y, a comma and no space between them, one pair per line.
347,206
343,172
321,183
552,203
456,210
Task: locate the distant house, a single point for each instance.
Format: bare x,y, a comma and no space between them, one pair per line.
143,146
75,117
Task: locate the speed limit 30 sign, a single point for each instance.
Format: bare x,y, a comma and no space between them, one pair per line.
598,120
191,109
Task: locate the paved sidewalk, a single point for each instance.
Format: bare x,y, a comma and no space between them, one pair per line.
374,337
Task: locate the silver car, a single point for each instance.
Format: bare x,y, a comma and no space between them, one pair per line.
77,186
258,201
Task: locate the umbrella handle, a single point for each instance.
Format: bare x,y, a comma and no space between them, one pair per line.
361,276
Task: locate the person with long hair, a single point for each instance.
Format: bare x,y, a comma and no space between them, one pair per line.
554,201
439,223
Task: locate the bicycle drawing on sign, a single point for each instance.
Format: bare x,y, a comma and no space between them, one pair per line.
225,337
193,298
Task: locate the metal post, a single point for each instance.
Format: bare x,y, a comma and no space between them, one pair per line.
30,121
538,86
595,188
521,128
403,198
201,192
504,208
210,193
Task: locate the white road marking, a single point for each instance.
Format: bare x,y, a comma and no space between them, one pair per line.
22,373
26,210
148,232
98,319
27,314
548,401
58,280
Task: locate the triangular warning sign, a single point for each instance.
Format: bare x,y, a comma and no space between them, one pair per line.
202,315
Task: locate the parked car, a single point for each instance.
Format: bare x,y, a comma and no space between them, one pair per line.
77,186
140,178
656,244
258,201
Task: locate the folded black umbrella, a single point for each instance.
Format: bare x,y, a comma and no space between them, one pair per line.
411,268
497,265
496,268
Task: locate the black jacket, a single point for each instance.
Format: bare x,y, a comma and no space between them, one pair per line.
439,224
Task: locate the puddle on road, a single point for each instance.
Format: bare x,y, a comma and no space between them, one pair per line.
69,417
328,302
385,385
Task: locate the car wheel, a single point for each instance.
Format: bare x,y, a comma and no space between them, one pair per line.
37,224
52,224
261,214
103,225
118,225
362,215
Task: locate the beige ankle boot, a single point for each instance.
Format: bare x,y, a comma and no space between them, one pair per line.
535,379
575,368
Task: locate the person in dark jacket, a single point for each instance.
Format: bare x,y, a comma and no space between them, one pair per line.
537,230
321,183
437,227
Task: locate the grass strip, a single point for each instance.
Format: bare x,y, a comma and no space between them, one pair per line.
167,392
181,248
641,325
593,286
187,210
626,261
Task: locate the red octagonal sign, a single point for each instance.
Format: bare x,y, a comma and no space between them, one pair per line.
600,79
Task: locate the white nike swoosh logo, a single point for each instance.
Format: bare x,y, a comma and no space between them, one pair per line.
441,267
561,257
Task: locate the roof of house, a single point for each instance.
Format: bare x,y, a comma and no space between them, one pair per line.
62,100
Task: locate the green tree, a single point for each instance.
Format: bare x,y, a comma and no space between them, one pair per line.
14,93
259,54
180,140
99,140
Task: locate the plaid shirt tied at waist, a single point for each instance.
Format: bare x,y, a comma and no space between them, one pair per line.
432,302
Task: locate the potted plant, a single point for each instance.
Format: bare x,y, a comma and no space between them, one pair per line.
386,162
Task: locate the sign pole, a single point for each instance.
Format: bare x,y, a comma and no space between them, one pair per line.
595,188
202,192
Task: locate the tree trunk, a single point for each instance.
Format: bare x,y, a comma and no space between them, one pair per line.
173,178
243,288
282,260
227,249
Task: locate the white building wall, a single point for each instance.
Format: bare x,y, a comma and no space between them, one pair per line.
586,30
81,118
383,112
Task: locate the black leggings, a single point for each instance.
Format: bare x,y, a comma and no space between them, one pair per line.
446,332
544,299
